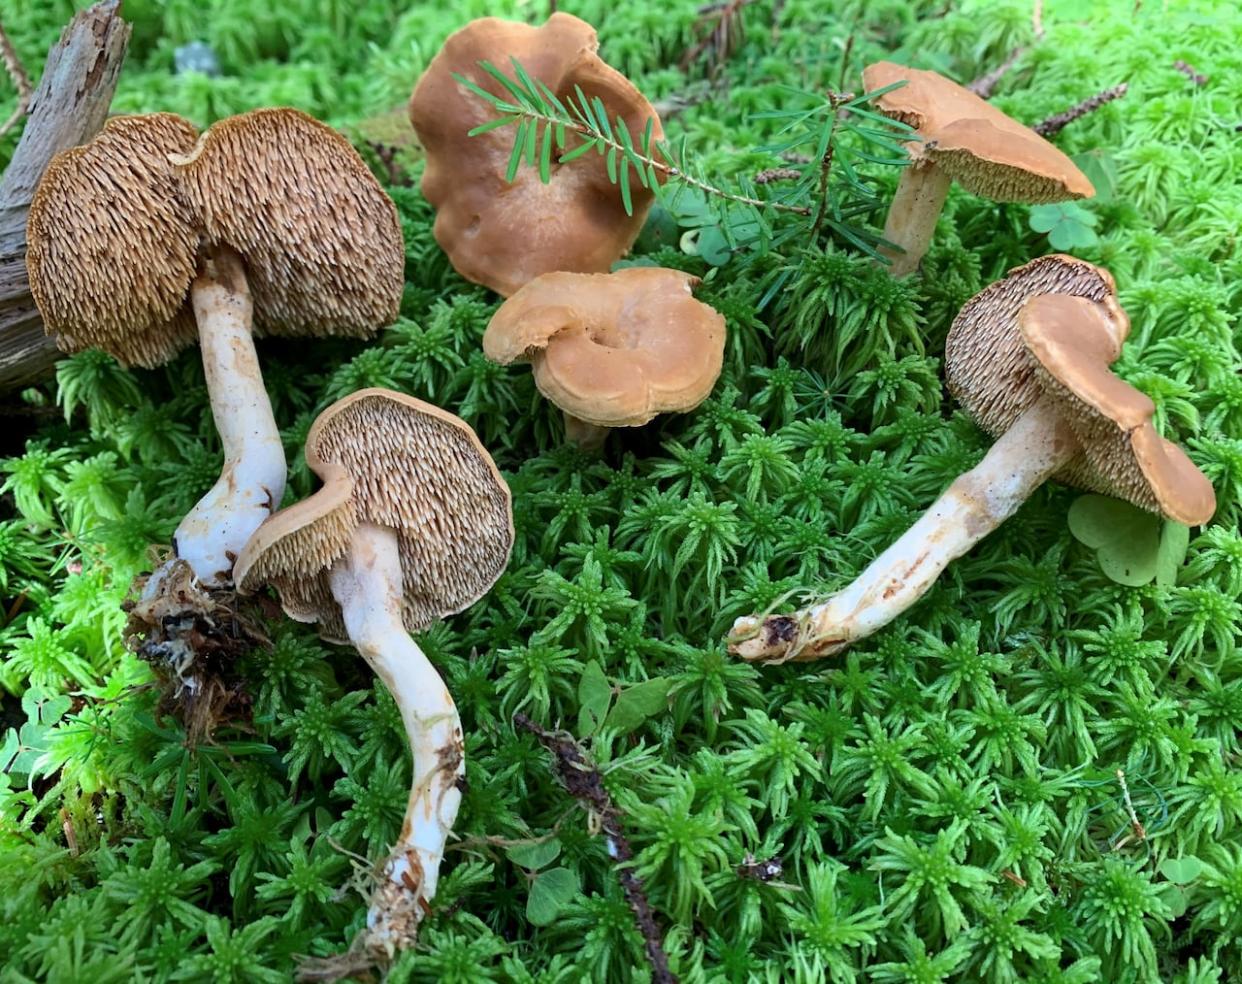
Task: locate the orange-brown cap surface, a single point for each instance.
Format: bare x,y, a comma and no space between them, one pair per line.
503,234
388,459
986,364
320,239
111,250
613,349
987,152
1072,342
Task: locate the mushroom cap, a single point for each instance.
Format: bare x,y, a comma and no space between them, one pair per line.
988,153
986,365
503,234
1072,342
111,250
388,459
320,239
613,349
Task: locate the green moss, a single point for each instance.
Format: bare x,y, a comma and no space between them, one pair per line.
944,799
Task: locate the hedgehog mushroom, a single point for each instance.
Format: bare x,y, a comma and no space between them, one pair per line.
1029,358
144,238
503,234
965,139
612,350
413,523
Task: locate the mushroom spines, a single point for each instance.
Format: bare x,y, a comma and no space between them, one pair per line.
502,234
987,368
111,248
321,240
986,151
412,467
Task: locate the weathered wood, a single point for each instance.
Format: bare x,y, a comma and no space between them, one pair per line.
68,108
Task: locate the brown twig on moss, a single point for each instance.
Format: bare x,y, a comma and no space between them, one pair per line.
723,29
772,174
585,783
985,85
21,81
1058,121
1188,70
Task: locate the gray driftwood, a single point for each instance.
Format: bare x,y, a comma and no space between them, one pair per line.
68,108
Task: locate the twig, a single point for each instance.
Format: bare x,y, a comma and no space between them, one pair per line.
1138,831
777,174
1188,70
985,85
1058,122
723,37
825,165
584,782
20,80
71,836
1037,19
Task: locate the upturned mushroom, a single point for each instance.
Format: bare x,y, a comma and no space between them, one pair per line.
1028,357
503,234
413,523
965,139
612,350
150,235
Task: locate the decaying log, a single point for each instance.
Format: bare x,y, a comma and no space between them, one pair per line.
68,108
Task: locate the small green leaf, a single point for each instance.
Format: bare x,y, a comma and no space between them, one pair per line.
594,696
1126,539
550,892
1174,542
637,703
1174,896
534,856
1101,170
1067,224
1181,871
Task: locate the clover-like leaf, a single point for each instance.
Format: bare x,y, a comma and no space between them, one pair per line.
534,856
594,696
1100,167
637,703
1067,224
1125,538
1181,871
550,892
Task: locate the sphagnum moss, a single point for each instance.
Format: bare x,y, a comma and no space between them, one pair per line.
945,800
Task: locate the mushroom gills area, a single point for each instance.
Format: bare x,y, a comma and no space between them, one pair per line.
974,505
366,583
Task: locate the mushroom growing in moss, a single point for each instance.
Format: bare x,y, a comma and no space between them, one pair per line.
149,236
503,234
413,523
965,139
1029,358
612,350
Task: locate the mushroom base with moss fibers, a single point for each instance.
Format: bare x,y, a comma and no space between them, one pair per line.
1039,444
588,436
187,603
912,216
367,584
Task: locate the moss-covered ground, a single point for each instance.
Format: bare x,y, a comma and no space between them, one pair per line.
944,799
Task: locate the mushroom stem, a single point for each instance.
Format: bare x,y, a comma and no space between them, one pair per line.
911,221
367,584
252,482
589,437
1038,444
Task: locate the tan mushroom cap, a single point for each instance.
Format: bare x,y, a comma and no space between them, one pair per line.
503,234
388,459
111,250
1072,342
986,364
986,152
320,239
613,349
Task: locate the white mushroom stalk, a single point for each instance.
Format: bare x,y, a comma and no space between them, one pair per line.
1038,444
911,221
367,584
252,481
